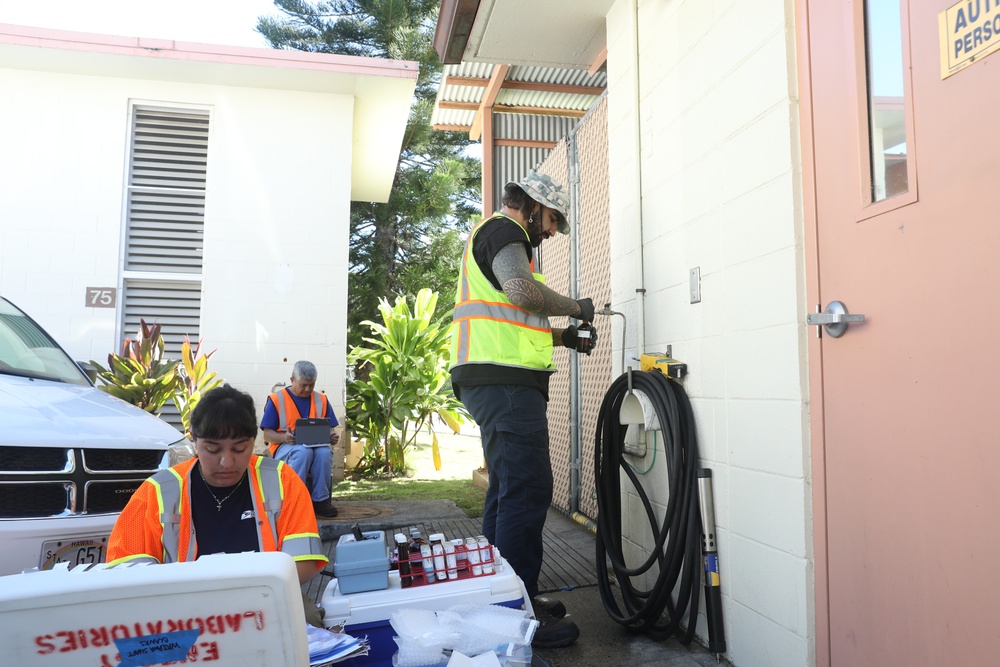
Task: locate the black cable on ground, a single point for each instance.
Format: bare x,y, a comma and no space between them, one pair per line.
677,550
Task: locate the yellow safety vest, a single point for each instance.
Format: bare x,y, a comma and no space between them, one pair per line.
488,329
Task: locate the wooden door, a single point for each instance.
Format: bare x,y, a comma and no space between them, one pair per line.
903,226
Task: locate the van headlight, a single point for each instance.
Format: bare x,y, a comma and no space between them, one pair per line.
180,451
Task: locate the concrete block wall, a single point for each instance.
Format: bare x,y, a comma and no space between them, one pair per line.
274,282
716,152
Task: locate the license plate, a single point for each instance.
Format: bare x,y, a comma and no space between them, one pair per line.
77,551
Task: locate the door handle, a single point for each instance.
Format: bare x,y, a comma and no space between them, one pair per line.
834,319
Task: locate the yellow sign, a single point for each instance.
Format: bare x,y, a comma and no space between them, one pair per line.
970,30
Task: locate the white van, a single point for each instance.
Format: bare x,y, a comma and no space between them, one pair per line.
71,455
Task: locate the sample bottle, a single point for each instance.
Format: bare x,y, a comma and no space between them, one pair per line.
403,556
451,560
485,554
437,548
415,541
461,555
428,562
472,549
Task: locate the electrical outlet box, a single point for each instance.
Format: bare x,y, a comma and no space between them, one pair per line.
665,364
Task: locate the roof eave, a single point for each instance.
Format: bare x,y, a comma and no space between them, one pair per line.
382,89
454,27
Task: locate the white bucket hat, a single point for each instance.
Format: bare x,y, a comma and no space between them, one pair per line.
547,192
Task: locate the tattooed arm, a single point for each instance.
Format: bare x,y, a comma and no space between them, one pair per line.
513,272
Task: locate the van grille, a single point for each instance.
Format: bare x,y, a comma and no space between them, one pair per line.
110,496
33,500
117,460
38,482
39,459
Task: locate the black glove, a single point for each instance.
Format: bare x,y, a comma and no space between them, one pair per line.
586,310
593,340
571,338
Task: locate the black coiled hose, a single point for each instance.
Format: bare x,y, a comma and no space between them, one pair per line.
677,552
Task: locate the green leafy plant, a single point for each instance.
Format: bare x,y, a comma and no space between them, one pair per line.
140,375
407,383
193,380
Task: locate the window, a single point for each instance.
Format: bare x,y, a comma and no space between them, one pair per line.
888,122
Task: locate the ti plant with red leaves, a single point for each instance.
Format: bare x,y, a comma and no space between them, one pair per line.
193,380
140,375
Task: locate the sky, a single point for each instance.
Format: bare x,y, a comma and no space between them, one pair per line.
229,22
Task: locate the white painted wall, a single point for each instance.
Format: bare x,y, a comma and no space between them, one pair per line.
276,227
721,187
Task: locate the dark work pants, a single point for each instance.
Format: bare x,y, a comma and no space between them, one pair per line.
515,437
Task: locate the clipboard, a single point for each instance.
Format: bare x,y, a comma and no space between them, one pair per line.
312,432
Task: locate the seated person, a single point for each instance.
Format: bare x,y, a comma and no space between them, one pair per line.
281,410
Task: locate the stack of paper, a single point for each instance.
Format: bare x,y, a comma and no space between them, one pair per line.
327,647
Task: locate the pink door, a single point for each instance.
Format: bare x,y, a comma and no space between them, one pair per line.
902,184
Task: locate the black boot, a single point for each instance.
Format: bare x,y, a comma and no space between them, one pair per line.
554,632
545,605
324,509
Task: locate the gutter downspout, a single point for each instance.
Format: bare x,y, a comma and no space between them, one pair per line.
575,286
575,281
640,290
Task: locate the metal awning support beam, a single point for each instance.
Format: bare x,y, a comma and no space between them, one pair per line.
570,89
485,110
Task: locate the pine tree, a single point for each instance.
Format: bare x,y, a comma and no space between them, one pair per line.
415,239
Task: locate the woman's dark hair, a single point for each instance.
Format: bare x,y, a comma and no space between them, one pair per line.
224,412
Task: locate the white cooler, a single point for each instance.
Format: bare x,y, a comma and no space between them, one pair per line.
367,614
231,609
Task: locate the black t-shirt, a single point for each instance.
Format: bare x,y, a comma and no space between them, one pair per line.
494,235
229,530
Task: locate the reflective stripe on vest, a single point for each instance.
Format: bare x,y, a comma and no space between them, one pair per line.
168,496
282,396
488,328
168,485
272,494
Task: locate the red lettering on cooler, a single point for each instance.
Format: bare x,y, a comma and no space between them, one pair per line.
66,641
69,641
233,621
45,645
211,651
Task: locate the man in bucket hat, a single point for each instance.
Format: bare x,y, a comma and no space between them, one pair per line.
501,355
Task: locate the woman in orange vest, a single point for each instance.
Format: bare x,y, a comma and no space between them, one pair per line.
227,500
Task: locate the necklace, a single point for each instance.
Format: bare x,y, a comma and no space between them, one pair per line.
218,503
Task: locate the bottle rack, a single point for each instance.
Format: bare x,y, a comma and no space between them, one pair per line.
464,569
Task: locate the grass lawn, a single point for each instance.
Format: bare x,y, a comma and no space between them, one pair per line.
460,455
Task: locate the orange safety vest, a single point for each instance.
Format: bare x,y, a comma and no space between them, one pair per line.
156,525
288,412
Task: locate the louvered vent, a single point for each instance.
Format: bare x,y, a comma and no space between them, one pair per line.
166,198
176,306
166,227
